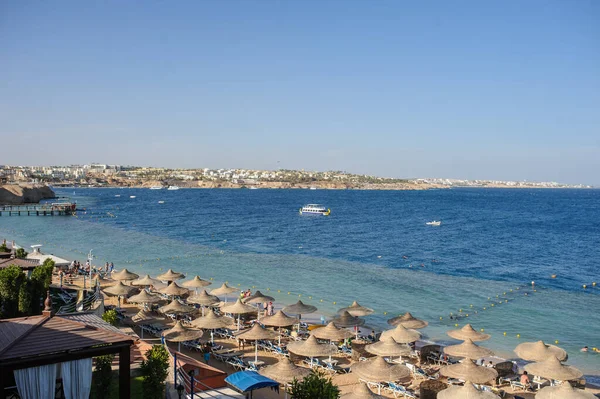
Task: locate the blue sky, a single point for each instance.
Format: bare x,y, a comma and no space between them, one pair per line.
462,89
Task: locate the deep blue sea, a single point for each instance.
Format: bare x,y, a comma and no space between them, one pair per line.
375,248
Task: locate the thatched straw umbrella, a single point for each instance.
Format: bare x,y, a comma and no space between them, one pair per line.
468,332
279,320
553,369
469,371
180,333
174,290
123,275
144,316
564,391
176,307
332,333
120,290
299,308
356,310
388,347
145,298
378,370
170,275
196,283
238,308
402,335
145,281
408,321
284,372
311,348
254,334
258,298
361,392
539,351
468,349
468,391
211,322
345,319
204,299
224,290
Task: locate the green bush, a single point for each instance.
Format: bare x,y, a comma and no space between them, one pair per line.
317,385
155,370
11,280
110,316
21,253
103,376
3,247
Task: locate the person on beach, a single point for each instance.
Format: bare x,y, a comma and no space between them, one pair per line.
270,308
525,380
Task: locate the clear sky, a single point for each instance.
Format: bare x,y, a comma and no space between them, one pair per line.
505,89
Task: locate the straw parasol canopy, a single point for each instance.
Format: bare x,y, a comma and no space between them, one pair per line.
238,308
145,281
469,371
180,333
123,275
196,282
176,307
468,332
408,321
284,371
402,335
170,275
332,333
345,319
468,349
144,316
389,347
120,289
553,369
279,319
174,289
258,297
257,332
311,348
362,392
223,290
468,391
378,370
564,391
144,297
539,351
204,299
300,308
356,310
210,321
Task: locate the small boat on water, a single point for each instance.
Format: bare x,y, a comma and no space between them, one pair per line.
253,188
132,196
434,223
117,195
156,188
315,209
313,188
173,188
161,202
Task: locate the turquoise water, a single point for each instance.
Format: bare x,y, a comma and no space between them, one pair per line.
371,249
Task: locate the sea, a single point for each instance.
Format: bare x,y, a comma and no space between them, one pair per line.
477,267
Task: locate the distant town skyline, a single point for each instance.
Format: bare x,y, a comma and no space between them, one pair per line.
492,91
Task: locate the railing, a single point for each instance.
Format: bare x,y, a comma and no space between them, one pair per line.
86,304
181,377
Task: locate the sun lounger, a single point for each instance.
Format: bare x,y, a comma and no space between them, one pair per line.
375,386
399,391
517,385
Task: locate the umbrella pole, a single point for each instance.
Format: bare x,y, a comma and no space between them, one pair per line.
257,311
212,337
202,306
238,322
178,346
255,351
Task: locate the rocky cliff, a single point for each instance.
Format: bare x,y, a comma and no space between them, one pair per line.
14,194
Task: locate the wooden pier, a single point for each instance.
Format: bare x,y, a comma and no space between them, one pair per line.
54,209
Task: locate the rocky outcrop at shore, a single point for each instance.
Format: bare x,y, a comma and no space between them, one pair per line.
14,194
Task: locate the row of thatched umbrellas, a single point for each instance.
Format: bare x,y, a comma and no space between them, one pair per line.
393,342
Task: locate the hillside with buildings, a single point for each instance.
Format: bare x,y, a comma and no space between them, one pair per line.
101,175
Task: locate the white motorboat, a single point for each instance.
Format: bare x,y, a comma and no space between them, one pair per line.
132,196
315,209
161,202
156,188
434,223
173,188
